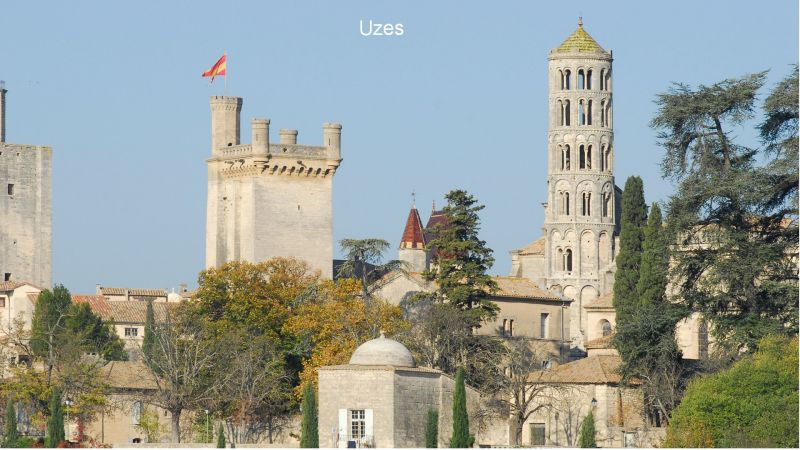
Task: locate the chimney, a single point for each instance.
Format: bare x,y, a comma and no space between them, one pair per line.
288,136
3,111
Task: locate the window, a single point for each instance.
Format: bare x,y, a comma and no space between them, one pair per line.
508,327
581,79
543,321
581,157
358,424
607,159
131,332
561,77
606,203
537,434
602,83
605,327
565,158
629,439
566,203
568,260
10,189
560,113
566,79
2,302
560,259
136,412
588,79
702,340
566,112
589,157
581,113
586,206
589,113
7,277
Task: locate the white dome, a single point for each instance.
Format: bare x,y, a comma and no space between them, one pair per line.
382,352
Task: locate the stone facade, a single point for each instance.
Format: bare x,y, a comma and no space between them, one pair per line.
26,224
267,200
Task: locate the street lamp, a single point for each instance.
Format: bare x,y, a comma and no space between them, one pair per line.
69,404
594,404
208,439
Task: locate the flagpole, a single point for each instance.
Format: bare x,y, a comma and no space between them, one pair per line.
226,73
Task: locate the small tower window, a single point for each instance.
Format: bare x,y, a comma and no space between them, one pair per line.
581,157
589,113
608,114
606,203
589,157
566,203
602,157
565,158
568,260
561,78
606,158
581,113
586,205
566,112
607,81
602,84
7,277
581,79
588,79
605,327
560,113
560,259
10,189
566,79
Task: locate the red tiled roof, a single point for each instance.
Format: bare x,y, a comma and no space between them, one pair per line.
599,369
601,342
437,219
413,234
10,285
604,302
534,248
516,287
134,291
126,311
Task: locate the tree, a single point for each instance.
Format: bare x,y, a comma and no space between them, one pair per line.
754,403
734,215
432,429
461,259
631,237
461,437
363,261
11,435
55,424
646,341
150,426
149,322
47,324
220,436
522,389
587,439
309,434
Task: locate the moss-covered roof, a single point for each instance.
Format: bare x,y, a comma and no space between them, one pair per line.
579,41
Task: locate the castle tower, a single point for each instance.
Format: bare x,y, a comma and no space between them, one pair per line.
26,199
580,223
267,200
412,244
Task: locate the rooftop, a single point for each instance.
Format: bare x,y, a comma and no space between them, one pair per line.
534,248
125,311
413,234
382,352
580,41
604,302
599,369
131,291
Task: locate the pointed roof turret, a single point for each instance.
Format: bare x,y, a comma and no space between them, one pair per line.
580,41
413,234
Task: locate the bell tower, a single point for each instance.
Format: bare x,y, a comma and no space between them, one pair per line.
580,223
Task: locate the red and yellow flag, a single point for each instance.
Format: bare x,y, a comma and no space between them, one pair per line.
218,69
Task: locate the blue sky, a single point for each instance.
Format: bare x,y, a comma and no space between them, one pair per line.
458,101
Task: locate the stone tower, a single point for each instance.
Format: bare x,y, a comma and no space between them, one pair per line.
267,200
580,223
26,224
412,244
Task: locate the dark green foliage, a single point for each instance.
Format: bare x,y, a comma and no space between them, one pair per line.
631,238
364,262
95,335
752,404
309,431
48,318
461,437
587,437
462,258
149,339
652,284
734,213
55,423
220,436
11,436
432,429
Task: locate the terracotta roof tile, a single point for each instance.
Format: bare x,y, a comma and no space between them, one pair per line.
413,234
534,248
437,218
599,369
604,302
133,291
10,285
521,288
126,311
129,375
601,342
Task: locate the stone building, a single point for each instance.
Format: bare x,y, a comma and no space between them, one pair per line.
269,199
26,224
381,399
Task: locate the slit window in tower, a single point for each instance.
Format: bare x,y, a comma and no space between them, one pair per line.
566,79
568,260
606,198
10,189
560,259
567,154
588,79
566,112
589,157
560,113
582,157
589,113
561,78
581,113
602,84
566,203
581,79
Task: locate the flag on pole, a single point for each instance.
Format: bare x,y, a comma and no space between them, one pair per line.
218,69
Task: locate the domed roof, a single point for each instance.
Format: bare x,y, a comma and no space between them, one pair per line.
382,352
580,41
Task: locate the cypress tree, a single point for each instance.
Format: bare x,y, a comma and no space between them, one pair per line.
55,423
432,429
631,238
148,342
586,439
11,435
461,438
309,434
652,284
220,436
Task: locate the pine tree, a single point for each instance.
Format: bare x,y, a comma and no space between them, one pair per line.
55,423
462,258
11,434
149,339
432,429
49,319
220,436
309,434
461,437
587,438
631,237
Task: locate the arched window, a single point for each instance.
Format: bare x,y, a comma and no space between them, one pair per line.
607,81
607,158
608,114
560,113
605,327
566,157
566,203
561,78
606,203
581,113
136,412
586,204
560,259
602,157
589,113
602,113
567,79
588,79
589,157
581,79
566,112
568,260
581,157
